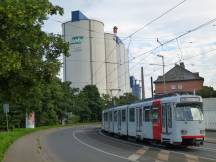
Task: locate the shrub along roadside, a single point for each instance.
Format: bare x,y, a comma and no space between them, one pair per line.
8,138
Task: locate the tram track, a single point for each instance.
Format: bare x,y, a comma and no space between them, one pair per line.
202,152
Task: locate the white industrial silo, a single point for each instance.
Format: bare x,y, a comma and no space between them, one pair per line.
121,67
127,74
111,64
86,63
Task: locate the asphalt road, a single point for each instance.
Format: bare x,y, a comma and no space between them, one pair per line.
90,144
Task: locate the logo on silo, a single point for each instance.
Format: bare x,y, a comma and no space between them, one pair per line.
77,40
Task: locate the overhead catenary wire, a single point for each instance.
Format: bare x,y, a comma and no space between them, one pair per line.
173,39
155,19
182,35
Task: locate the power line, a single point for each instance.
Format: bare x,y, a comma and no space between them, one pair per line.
171,40
155,19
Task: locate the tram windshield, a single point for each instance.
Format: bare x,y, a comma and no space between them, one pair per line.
188,112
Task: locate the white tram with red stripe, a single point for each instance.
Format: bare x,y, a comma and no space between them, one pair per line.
175,120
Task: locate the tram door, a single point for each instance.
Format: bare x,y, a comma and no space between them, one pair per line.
167,119
156,119
110,121
119,119
138,119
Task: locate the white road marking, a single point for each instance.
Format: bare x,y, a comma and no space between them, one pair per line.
137,155
163,155
141,151
134,157
97,149
158,161
192,158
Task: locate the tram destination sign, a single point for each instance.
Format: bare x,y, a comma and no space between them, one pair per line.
190,99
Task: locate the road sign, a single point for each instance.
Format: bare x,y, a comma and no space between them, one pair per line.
6,108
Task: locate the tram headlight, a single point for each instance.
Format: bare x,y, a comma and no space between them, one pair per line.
183,132
202,131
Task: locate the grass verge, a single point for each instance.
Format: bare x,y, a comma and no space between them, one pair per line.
8,138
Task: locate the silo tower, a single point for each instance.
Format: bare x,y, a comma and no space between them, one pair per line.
86,63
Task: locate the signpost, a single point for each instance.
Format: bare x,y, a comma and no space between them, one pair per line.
6,111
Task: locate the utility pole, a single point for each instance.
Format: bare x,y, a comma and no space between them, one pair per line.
164,83
6,111
142,82
152,93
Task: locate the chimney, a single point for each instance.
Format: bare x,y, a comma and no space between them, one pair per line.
182,64
115,29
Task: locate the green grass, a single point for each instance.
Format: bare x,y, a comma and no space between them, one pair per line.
7,138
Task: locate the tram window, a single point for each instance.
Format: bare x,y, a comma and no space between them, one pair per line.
155,115
147,115
164,115
105,116
115,115
123,115
132,115
110,116
169,116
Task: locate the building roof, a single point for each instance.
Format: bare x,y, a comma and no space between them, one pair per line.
179,73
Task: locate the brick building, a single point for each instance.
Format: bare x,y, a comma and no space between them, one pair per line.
179,79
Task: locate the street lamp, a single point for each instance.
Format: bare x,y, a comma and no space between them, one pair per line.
115,89
164,84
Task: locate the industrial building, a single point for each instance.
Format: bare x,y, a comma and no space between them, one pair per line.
136,88
96,57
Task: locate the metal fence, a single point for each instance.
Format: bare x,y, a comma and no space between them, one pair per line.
210,119
209,106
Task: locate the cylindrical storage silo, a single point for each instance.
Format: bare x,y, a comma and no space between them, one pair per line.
111,64
121,70
127,74
86,63
97,48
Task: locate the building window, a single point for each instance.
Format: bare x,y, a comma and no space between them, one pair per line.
132,115
173,87
179,86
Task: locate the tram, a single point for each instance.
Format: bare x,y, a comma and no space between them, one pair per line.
175,119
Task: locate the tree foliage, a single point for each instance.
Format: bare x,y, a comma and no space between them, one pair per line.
30,61
207,92
29,64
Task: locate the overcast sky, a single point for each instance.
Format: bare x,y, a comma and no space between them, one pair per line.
130,15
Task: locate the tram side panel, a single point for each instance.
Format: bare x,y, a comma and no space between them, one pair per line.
147,123
122,124
131,121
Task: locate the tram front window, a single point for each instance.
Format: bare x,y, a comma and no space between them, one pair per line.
188,112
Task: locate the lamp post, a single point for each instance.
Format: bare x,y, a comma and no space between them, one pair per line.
113,100
164,83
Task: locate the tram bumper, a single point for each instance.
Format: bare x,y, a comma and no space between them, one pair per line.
192,140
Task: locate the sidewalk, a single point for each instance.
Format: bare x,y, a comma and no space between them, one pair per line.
29,148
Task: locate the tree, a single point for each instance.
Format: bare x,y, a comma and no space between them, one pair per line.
207,92
29,60
127,98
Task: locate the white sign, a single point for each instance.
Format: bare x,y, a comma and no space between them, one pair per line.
6,108
30,120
